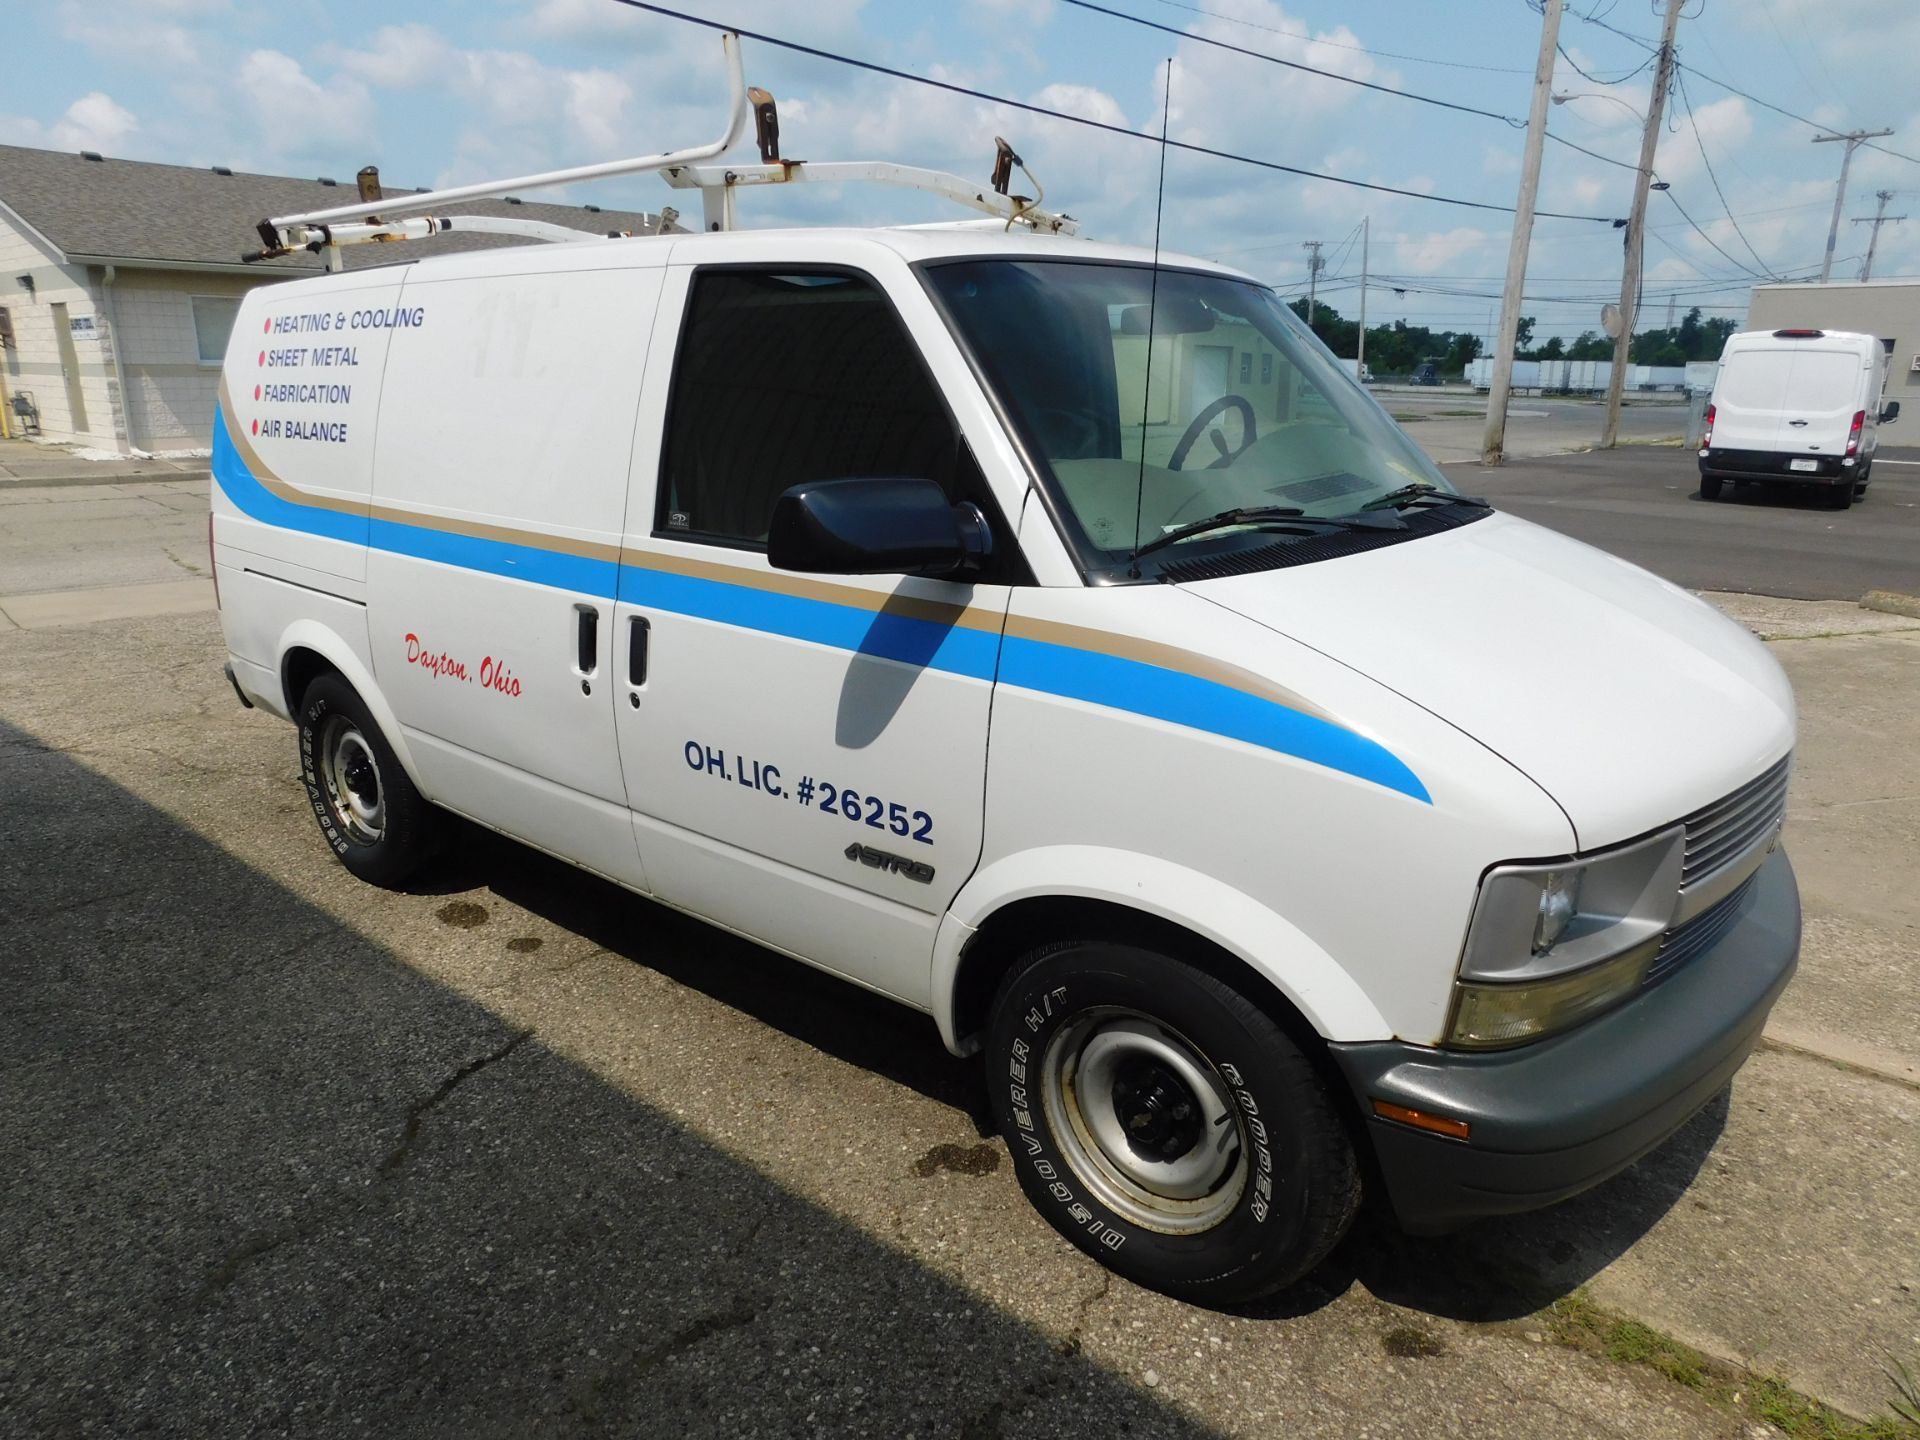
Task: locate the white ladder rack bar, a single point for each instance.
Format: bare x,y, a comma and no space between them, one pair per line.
400,205
716,184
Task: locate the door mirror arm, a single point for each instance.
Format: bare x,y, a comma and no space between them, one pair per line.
877,526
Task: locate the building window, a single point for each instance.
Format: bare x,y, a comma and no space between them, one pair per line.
213,317
1246,367
1266,369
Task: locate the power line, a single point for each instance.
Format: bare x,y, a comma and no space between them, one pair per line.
1595,78
1508,120
1340,45
1294,64
1680,84
1715,243
1086,121
1646,44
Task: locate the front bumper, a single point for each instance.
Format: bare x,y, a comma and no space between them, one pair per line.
1558,1116
1775,465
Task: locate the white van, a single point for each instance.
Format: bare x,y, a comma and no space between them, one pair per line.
1796,407
1058,643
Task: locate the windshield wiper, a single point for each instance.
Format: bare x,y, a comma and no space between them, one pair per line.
1251,515
1421,491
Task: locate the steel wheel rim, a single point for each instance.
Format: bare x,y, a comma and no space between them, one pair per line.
350,775
1112,1083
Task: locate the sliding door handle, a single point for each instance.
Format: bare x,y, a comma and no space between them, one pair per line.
587,638
639,631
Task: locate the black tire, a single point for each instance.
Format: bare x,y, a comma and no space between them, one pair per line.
374,820
1710,487
1281,1199
1839,497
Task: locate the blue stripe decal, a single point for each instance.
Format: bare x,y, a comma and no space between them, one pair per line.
269,509
1111,681
912,641
1200,704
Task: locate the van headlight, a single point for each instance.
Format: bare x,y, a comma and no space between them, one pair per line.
1551,945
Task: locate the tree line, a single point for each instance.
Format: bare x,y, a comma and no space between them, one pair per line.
1399,348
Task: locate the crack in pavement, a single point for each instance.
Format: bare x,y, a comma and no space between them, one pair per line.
252,1247
422,1108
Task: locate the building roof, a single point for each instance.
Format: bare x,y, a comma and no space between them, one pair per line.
136,213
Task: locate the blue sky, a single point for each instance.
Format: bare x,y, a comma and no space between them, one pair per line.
450,93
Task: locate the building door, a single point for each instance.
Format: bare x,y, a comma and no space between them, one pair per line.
1211,370
70,368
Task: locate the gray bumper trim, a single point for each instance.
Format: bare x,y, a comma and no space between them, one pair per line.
1553,1118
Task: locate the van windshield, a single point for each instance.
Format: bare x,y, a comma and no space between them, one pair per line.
1231,401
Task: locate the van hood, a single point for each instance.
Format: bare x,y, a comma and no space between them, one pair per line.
1625,698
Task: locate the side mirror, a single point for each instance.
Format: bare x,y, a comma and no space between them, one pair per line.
1891,413
876,527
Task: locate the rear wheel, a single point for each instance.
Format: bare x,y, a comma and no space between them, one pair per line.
1710,487
376,822
1840,496
1165,1124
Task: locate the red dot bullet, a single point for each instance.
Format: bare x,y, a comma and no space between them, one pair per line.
256,427
266,327
256,392
263,357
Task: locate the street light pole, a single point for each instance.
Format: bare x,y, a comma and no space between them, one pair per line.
1493,443
1366,235
1636,229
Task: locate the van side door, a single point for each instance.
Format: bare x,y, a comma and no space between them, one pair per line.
500,491
805,754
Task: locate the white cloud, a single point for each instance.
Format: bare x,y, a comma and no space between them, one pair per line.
398,57
134,30
93,122
300,117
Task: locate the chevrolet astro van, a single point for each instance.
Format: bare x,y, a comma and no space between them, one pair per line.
1053,638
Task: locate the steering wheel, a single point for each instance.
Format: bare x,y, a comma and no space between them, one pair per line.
1205,418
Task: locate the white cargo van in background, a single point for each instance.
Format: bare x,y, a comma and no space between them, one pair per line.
1796,407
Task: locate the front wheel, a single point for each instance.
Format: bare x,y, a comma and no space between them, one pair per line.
1165,1124
1710,487
373,818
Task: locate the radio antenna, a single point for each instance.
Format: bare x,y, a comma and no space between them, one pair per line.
1153,297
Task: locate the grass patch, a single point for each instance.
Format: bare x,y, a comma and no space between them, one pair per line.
1469,414
1409,417
1577,1323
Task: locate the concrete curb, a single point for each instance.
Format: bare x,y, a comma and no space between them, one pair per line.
1892,602
61,482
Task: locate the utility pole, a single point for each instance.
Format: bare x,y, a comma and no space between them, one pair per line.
1366,235
1314,266
1493,444
1876,220
1854,139
1636,236
1670,312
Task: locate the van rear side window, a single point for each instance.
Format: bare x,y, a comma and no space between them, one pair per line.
784,378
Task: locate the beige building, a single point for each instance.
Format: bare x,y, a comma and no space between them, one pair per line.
119,281
1887,308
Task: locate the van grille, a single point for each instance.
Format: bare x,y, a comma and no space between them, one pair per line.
1722,831
1701,933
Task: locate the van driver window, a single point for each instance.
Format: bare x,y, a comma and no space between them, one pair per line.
784,378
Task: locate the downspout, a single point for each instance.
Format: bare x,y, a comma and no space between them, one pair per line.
124,444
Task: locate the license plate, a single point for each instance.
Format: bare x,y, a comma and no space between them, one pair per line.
1803,464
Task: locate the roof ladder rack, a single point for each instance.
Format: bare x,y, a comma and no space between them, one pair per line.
410,217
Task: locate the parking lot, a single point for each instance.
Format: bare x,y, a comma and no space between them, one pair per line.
518,1151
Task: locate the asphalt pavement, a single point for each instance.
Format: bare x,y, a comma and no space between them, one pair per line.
519,1152
1643,503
